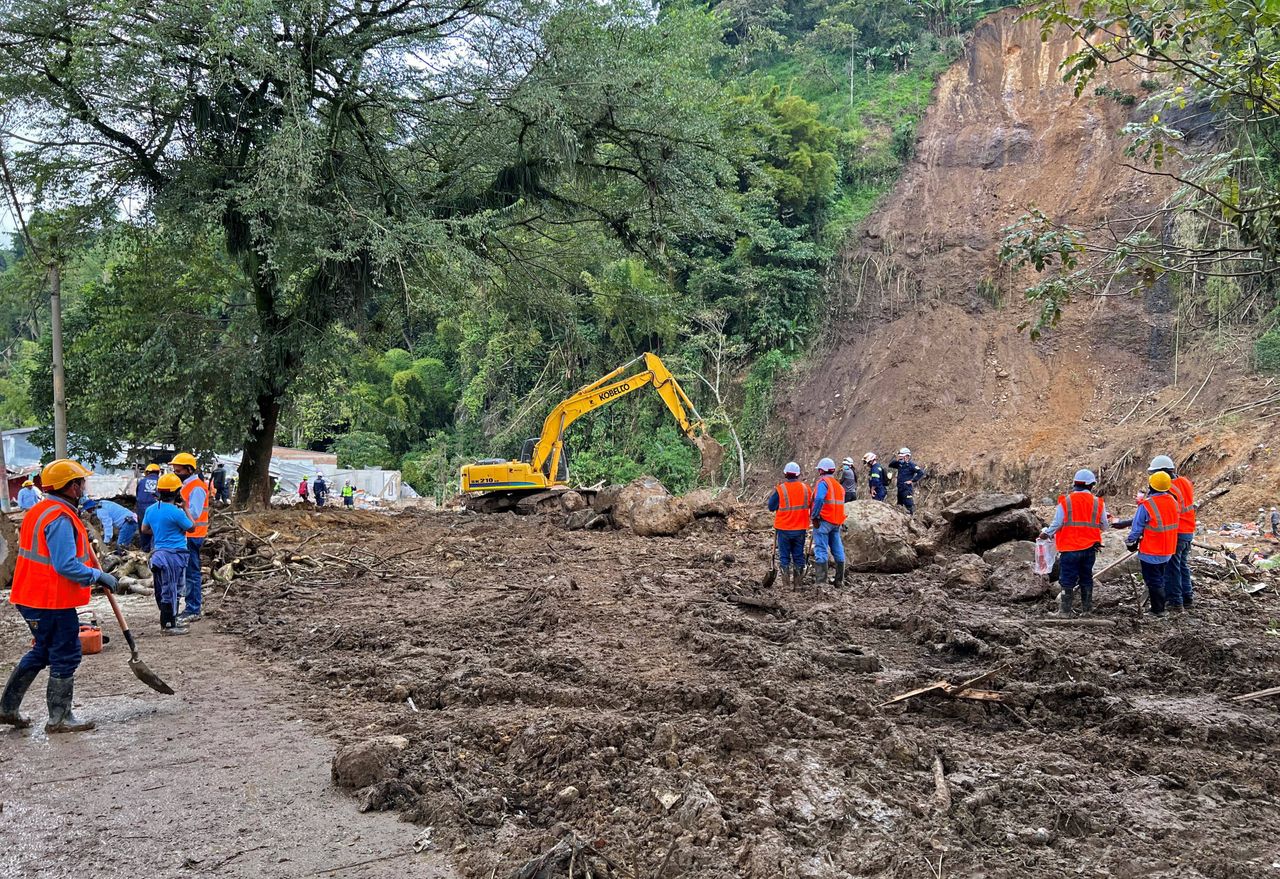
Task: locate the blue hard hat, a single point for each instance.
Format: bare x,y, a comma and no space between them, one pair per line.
89,504
826,464
1085,477
792,469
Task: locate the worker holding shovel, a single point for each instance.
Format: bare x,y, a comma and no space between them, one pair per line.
55,572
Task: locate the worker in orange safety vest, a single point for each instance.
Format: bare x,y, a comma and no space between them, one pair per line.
790,506
828,522
1076,530
1154,536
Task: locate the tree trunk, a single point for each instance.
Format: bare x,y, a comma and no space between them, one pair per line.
253,485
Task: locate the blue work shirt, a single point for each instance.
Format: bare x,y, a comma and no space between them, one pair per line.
60,536
28,497
876,475
195,503
169,526
145,494
819,497
1140,520
112,516
908,471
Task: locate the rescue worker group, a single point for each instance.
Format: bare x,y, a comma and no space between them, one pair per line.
1160,532
57,570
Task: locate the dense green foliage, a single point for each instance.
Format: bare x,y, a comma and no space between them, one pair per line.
1209,119
347,234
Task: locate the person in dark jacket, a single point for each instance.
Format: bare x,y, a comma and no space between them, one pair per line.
877,477
320,490
144,495
219,479
909,473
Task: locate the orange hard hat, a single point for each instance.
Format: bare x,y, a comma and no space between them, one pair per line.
169,482
58,473
185,458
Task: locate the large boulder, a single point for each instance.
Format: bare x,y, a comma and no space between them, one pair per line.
968,572
1003,527
649,510
707,502
968,510
368,762
1015,552
879,539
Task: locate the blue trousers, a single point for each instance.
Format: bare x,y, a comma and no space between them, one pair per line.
791,550
907,498
168,570
826,542
57,641
1075,568
127,530
878,491
1177,585
192,587
1153,574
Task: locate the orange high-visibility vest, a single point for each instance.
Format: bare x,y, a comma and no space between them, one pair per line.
833,503
1160,536
202,523
1081,522
793,506
1185,495
35,582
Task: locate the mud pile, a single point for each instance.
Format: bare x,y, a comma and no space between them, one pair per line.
634,703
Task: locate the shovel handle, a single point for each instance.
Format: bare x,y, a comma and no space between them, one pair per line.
124,627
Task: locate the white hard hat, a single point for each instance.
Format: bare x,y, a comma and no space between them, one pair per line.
904,451
826,464
847,461
869,457
1160,462
792,469
1085,477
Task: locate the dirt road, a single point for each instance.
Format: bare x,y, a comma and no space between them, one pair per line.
221,780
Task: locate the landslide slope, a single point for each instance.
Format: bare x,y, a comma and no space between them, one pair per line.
923,348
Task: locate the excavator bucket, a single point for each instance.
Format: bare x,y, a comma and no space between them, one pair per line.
712,456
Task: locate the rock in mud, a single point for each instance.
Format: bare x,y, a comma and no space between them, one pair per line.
879,539
578,519
1019,552
646,507
365,763
705,502
572,502
968,571
1004,527
980,506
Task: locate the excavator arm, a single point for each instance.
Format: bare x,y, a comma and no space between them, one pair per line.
606,389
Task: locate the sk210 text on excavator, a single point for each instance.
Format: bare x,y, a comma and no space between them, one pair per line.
540,476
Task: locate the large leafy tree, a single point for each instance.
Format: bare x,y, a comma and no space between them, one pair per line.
342,147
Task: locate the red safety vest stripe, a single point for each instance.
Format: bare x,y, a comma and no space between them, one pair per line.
833,503
793,506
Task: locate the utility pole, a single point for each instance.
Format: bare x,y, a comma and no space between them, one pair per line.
4,478
59,376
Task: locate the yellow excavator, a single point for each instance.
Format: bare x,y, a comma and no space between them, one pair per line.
540,476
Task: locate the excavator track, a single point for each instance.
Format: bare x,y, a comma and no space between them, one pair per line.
522,503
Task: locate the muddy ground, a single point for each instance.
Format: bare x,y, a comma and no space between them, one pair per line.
605,689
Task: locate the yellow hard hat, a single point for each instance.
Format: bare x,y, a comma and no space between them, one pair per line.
58,473
185,458
1160,481
27,482
169,482
153,468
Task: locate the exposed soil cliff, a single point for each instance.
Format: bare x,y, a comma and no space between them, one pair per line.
924,345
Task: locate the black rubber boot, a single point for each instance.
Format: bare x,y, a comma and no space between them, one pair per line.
839,581
1065,610
1086,599
820,574
19,682
61,718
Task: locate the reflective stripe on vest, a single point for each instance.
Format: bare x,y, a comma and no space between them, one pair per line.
1185,495
35,581
1081,522
833,503
793,506
1160,535
202,524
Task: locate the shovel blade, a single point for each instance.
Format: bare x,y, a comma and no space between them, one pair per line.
148,677
769,578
